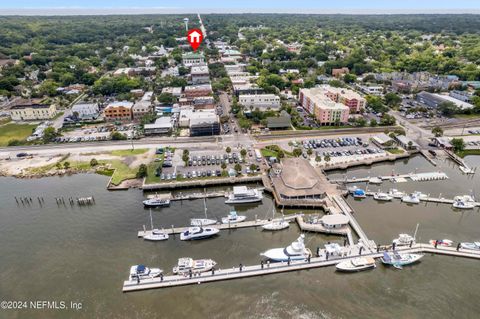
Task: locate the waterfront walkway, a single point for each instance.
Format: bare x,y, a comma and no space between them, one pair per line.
417,177
275,268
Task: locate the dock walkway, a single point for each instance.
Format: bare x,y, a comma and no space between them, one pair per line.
416,177
428,199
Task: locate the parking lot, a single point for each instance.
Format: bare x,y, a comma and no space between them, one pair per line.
95,133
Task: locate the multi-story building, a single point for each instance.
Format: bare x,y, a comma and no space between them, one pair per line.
142,107
205,124
325,110
118,111
261,101
200,74
203,102
192,91
352,99
86,112
32,112
193,59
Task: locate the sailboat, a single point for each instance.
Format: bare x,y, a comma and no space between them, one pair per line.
203,221
156,234
405,239
276,224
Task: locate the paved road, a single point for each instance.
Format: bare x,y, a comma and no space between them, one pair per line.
416,133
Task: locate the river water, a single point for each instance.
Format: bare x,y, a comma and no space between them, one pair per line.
83,254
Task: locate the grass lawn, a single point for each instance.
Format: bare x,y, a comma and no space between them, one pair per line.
129,152
467,116
395,151
13,131
122,172
151,169
268,153
464,153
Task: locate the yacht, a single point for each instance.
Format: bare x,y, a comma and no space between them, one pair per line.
242,195
156,202
194,233
186,264
359,193
356,264
411,199
296,251
375,180
203,221
406,239
382,197
233,218
472,246
155,234
276,224
398,260
464,202
143,272
441,242
395,193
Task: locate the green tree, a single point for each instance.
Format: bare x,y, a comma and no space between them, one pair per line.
375,103
387,120
392,99
243,152
238,168
309,151
349,78
458,144
223,166
58,165
117,136
297,152
228,149
448,108
437,131
280,154
49,134
166,98
373,122
327,158
142,171
66,165
253,167
93,162
318,159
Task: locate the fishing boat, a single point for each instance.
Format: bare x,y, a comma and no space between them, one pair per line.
233,218
473,246
143,272
295,251
406,239
276,224
398,260
382,197
375,180
203,221
195,233
155,234
156,201
186,264
242,195
395,193
411,199
356,264
441,242
359,193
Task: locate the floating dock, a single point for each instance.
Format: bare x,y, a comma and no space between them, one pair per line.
275,268
428,199
250,223
416,177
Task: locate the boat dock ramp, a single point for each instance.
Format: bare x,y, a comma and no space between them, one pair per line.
416,177
251,223
274,268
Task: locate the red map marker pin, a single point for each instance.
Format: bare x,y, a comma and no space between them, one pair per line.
195,37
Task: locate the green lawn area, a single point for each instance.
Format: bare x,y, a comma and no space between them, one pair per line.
464,153
12,131
121,170
151,168
467,116
395,151
268,153
129,152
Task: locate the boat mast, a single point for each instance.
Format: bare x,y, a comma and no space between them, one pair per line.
151,220
415,234
205,206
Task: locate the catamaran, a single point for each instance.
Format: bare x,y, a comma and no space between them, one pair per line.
195,233
398,260
203,221
276,224
356,264
295,251
242,195
233,218
155,234
143,272
382,197
186,264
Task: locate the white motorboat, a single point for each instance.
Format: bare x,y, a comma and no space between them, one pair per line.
406,239
441,242
143,272
398,260
195,233
296,251
233,218
276,224
465,198
472,246
464,202
375,180
395,193
203,221
156,202
411,199
242,195
382,197
356,264
186,264
155,234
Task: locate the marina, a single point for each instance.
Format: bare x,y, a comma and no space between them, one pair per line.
397,178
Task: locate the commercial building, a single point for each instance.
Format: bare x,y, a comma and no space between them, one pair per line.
203,102
352,99
383,141
204,123
247,88
464,96
326,111
406,142
283,121
118,111
32,112
162,125
434,100
193,59
192,91
86,112
143,107
371,90
200,74
260,101
175,91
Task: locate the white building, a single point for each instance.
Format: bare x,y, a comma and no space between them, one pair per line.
86,111
261,101
371,90
200,74
463,96
163,125
193,59
175,91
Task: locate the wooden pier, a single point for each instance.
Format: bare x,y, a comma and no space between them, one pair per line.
275,268
251,223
